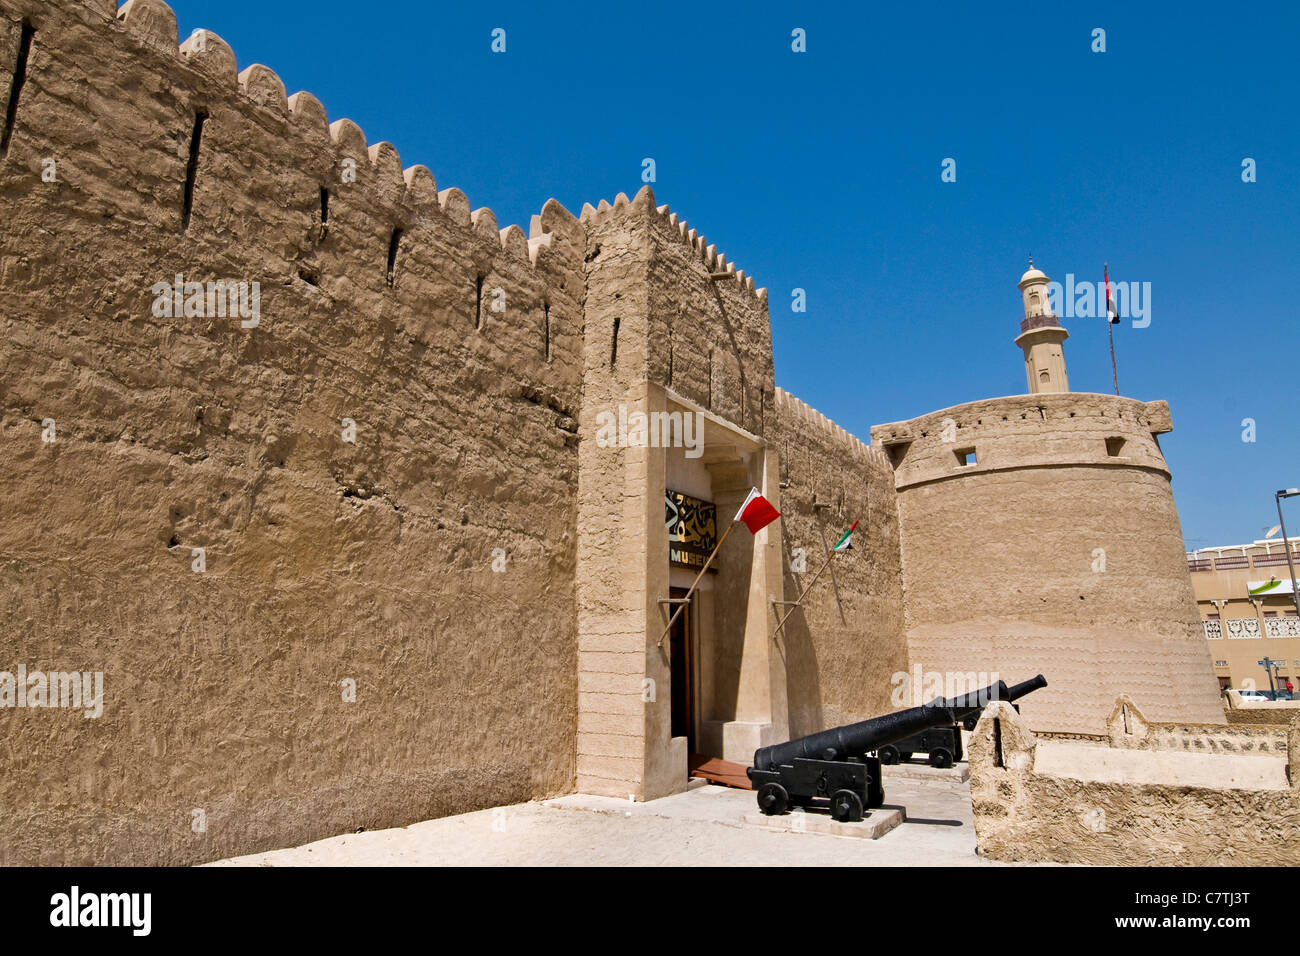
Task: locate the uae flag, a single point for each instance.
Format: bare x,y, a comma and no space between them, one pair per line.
1111,310
757,512
846,539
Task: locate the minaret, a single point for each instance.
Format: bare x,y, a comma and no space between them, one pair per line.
1041,336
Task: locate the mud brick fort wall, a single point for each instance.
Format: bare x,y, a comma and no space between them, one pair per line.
325,560
844,647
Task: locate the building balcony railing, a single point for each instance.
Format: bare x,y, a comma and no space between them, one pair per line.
1240,562
1039,322
1282,627
1248,627
1242,628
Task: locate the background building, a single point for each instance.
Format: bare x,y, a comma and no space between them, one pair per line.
1242,628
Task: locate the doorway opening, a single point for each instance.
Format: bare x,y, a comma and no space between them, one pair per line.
682,669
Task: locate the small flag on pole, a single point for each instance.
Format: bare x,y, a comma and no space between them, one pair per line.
757,512
846,539
1111,309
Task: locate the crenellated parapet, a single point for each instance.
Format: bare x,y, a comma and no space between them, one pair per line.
810,418
260,163
201,158
686,319
1025,431
707,253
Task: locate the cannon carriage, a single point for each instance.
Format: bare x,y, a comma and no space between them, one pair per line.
842,765
942,745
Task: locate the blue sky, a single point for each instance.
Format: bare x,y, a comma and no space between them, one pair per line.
821,170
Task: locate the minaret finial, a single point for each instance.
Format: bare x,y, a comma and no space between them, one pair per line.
1031,260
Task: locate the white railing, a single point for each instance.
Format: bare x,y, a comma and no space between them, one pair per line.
1213,631
1244,627
1282,626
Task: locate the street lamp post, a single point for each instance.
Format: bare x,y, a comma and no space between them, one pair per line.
1286,543
1269,664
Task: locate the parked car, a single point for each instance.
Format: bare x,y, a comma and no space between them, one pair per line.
1254,694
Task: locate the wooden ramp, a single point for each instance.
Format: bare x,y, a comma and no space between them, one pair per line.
717,770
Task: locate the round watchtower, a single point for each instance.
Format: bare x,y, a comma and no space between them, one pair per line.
1039,534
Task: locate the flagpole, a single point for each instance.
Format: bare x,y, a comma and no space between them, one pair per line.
1110,327
687,599
781,623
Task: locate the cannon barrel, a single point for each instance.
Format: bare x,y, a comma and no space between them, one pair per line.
1016,691
853,740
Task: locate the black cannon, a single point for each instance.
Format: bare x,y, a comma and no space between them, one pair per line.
942,745
837,765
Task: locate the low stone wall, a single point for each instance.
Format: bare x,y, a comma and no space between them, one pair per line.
1274,718
1238,711
1075,802
1129,729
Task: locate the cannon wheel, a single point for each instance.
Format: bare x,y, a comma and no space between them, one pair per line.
905,755
773,799
846,806
888,754
941,758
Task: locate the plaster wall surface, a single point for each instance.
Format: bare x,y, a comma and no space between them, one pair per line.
326,561
1064,802
669,327
843,648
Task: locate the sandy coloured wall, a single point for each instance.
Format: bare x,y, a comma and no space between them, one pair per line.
1066,802
1129,728
844,647
659,330
708,338
1049,554
615,513
326,560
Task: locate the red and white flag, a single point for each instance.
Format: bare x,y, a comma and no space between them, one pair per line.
757,512
1112,310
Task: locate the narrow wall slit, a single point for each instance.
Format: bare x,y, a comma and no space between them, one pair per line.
16,86
324,212
997,743
192,169
394,244
546,328
613,345
670,352
478,303
710,378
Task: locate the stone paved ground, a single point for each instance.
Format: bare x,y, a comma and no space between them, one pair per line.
702,826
